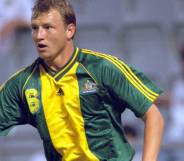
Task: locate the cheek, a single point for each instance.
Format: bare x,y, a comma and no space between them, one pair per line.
57,38
60,39
56,43
33,37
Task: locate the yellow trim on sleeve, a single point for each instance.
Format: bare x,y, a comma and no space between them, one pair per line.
133,79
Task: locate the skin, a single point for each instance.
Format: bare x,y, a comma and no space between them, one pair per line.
153,131
53,38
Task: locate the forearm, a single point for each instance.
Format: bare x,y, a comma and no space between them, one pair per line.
154,125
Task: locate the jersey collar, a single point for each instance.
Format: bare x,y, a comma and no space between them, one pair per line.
58,74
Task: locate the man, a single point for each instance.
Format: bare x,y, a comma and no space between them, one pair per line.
75,97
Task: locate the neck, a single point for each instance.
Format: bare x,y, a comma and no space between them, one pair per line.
62,59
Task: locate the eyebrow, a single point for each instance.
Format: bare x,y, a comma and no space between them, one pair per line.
42,24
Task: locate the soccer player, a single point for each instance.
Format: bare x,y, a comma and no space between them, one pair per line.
75,97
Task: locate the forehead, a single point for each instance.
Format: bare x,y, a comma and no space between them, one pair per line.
51,16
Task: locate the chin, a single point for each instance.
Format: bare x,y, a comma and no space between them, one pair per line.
46,58
43,55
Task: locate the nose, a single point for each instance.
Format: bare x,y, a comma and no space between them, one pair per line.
39,35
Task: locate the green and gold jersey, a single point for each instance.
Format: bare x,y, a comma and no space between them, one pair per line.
77,110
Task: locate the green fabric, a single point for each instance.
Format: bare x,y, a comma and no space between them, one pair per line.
12,109
102,108
105,92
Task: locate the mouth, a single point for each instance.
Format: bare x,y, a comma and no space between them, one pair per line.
41,46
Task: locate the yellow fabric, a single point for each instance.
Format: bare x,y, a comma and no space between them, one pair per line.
63,116
136,82
74,57
32,100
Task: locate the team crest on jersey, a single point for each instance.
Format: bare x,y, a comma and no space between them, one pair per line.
32,100
89,87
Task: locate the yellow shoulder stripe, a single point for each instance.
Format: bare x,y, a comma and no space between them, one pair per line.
22,94
15,74
88,73
133,79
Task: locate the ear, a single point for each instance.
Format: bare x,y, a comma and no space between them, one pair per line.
70,31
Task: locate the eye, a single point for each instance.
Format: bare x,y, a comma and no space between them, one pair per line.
48,27
34,27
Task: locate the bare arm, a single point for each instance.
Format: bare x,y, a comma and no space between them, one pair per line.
154,125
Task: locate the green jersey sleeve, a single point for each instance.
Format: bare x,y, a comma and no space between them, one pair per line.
11,112
129,85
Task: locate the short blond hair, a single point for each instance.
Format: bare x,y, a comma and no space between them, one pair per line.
63,6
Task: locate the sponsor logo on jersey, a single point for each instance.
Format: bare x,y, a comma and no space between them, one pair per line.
89,87
32,100
60,92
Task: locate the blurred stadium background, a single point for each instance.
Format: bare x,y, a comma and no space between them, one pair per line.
145,33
